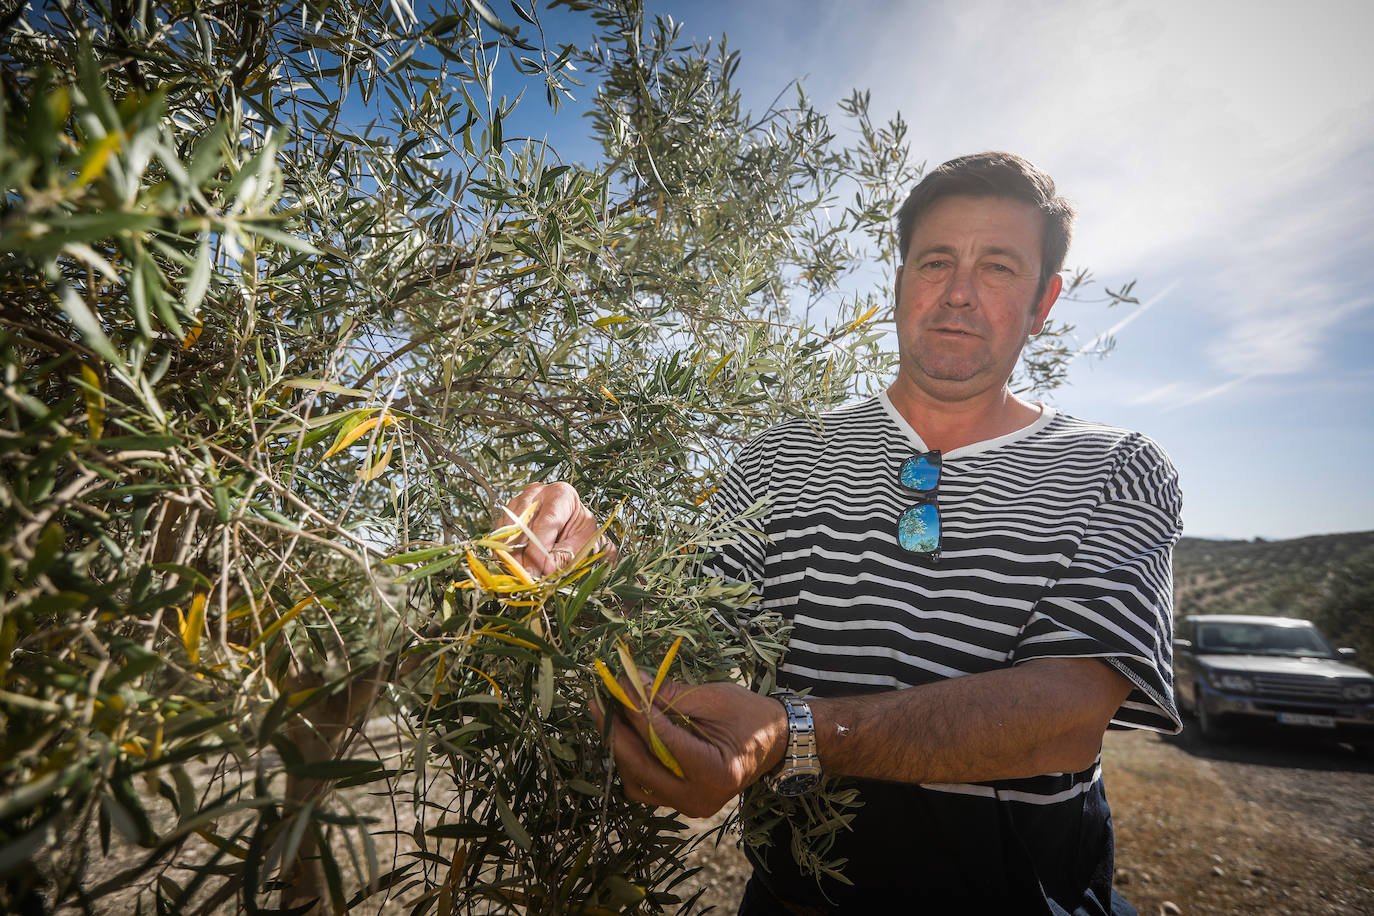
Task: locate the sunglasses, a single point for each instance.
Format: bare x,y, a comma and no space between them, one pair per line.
918,529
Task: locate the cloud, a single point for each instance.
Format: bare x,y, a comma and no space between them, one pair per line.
1224,145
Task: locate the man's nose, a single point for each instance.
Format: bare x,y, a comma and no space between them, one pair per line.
960,293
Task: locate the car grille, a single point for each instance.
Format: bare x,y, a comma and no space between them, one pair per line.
1297,688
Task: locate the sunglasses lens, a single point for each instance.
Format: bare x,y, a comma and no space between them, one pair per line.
919,473
918,530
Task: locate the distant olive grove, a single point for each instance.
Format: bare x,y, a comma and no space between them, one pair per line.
1327,578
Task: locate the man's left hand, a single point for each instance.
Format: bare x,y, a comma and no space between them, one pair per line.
724,737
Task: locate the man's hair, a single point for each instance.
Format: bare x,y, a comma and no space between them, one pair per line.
995,175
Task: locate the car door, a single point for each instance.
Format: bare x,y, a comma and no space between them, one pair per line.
1185,665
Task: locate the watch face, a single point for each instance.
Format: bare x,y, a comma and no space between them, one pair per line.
798,783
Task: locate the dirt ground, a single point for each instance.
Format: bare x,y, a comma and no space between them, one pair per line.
1278,824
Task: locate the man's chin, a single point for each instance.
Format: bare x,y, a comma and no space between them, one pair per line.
948,381
950,371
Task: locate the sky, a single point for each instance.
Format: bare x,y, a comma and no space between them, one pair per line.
1219,153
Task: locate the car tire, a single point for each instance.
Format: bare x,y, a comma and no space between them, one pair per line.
1206,722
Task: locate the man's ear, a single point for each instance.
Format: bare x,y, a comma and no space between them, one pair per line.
897,285
1047,300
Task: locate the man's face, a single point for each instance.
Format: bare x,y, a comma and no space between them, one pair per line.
969,295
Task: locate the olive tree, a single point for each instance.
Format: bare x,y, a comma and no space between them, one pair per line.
288,313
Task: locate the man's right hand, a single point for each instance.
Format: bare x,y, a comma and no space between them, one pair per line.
561,525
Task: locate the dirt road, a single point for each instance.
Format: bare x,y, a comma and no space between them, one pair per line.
1278,824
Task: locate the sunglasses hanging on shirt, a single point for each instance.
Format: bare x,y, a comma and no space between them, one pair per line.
918,528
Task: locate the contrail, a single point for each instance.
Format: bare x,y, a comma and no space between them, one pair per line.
1212,392
1114,329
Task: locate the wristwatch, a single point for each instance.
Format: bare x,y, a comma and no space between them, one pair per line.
800,771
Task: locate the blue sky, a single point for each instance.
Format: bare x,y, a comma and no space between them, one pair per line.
1220,153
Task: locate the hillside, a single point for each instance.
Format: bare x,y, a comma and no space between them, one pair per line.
1328,578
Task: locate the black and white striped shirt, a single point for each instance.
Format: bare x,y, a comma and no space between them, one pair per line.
1056,542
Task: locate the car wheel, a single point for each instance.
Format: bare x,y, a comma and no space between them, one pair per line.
1206,722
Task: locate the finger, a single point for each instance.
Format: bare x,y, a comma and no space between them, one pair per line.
643,778
512,511
517,504
560,510
684,746
580,536
633,759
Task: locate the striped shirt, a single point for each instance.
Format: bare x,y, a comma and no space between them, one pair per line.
1056,542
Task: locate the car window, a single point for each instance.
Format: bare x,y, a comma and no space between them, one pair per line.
1261,639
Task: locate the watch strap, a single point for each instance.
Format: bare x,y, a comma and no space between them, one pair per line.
800,770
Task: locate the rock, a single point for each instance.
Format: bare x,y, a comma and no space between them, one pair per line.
1146,877
1218,859
1169,908
1218,871
1257,870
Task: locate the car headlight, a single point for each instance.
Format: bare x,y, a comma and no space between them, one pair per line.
1361,690
1226,680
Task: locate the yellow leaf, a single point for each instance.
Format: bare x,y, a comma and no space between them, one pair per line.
607,392
480,573
518,526
595,539
192,626
724,360
95,401
632,670
357,432
300,696
509,640
97,158
514,566
499,695
378,466
503,584
861,319
237,852
663,667
613,685
193,334
664,756
281,621
438,679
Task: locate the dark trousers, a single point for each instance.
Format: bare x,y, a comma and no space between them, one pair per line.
758,901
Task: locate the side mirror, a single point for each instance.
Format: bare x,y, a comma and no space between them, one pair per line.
1346,652
1183,645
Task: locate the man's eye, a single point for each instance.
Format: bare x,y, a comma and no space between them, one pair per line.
1000,268
936,264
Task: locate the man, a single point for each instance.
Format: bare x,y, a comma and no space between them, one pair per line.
977,585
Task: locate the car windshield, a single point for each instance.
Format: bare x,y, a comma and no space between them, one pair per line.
1262,639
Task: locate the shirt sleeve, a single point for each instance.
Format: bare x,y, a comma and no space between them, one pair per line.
1115,600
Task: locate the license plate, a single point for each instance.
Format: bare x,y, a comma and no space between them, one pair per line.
1302,718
